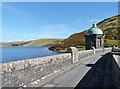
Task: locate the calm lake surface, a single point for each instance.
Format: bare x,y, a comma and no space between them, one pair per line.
10,54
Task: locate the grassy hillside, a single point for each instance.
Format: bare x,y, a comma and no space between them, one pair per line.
43,42
39,42
9,44
110,28
111,42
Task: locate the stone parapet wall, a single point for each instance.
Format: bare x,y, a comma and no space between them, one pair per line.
86,53
29,72
23,64
18,65
83,54
26,72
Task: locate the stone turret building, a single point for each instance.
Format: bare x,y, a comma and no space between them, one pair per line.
94,37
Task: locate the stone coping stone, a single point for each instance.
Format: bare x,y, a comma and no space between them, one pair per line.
22,64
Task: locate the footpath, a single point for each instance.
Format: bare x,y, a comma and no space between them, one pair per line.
72,77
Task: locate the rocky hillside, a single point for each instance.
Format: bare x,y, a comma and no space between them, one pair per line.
110,28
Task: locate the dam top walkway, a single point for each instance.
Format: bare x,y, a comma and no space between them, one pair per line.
89,73
89,68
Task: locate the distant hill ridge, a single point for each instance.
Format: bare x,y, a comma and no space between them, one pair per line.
110,28
44,42
39,42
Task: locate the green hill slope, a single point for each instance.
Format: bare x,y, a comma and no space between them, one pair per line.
43,42
110,28
6,44
39,42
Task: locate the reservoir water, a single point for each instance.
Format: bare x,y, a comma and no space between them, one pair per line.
10,54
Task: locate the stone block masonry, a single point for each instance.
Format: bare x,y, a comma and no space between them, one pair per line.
29,72
24,64
21,73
